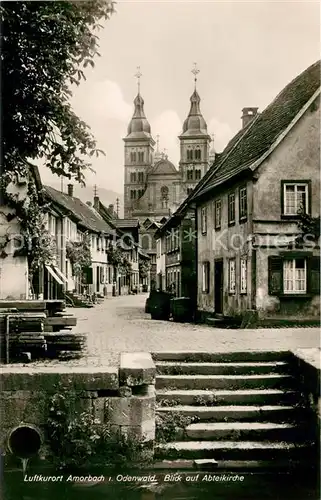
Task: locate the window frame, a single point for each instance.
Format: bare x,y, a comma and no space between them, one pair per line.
132,177
190,174
243,218
198,174
243,279
217,224
204,220
205,277
231,222
294,291
231,289
284,183
133,157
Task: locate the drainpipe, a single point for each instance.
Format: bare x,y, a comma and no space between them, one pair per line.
24,441
9,316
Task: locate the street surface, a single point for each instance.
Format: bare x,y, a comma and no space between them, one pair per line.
119,324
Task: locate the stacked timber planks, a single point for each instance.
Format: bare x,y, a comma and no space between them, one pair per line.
38,329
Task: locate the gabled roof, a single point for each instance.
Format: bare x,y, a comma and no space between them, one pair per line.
127,223
256,139
78,211
105,213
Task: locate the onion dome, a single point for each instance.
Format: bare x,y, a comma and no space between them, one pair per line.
139,127
194,125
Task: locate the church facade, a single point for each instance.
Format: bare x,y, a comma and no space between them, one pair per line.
153,187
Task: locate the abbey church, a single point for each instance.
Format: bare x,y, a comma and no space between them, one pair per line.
154,187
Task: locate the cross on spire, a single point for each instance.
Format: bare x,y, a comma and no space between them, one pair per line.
95,190
213,137
195,72
138,74
157,143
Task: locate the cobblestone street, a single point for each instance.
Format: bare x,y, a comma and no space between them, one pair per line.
119,324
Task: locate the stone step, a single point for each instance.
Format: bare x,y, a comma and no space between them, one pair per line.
235,450
222,357
277,413
238,431
209,465
269,381
232,368
227,397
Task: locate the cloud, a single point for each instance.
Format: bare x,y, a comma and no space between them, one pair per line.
168,126
222,133
103,100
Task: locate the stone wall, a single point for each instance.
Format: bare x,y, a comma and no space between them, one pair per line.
307,366
123,396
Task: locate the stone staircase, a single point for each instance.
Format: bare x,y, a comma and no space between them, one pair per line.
230,410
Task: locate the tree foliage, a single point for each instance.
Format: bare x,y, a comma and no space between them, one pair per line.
45,47
144,268
79,254
309,227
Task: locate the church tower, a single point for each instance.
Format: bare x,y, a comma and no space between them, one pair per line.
139,149
194,145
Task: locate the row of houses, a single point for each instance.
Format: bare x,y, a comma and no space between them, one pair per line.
232,245
96,254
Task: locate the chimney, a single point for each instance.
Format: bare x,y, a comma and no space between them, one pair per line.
248,115
111,208
70,189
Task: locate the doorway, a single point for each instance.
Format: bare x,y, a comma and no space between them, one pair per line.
218,286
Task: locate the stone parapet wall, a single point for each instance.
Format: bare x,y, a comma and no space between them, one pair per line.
307,366
121,397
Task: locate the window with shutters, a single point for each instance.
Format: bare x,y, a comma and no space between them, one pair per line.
205,277
140,157
231,208
133,177
295,276
295,198
204,220
140,176
243,276
232,276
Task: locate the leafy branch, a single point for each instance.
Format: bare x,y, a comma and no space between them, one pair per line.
79,254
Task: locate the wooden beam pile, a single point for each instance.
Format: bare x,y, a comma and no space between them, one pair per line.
38,329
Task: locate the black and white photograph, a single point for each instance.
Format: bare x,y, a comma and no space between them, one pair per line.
160,250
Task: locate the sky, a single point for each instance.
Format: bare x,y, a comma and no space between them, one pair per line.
246,53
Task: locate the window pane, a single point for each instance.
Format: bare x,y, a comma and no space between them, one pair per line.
300,263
